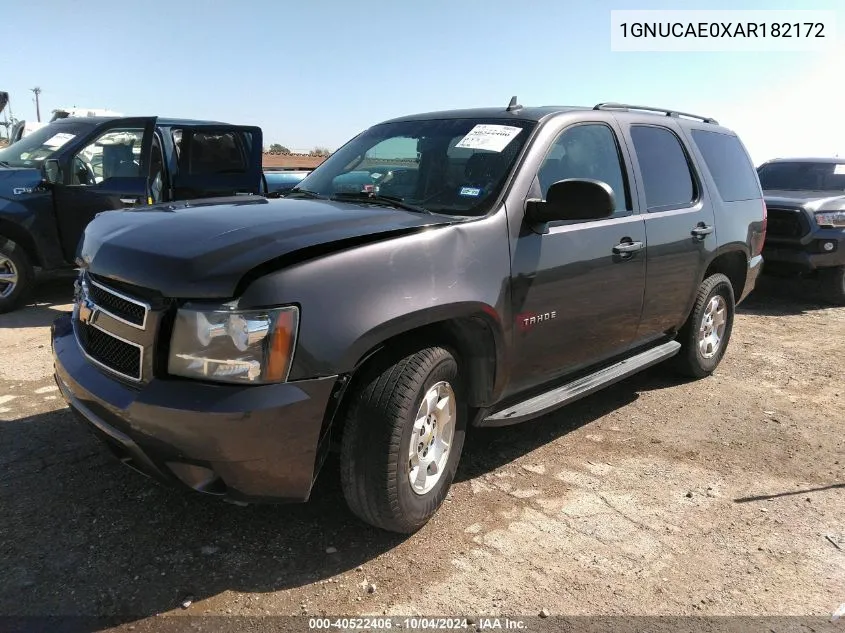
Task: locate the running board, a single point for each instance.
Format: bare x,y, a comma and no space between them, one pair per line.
563,395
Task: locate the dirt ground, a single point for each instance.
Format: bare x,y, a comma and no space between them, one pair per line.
655,497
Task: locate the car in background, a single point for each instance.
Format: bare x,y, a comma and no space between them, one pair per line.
22,129
805,199
56,180
278,181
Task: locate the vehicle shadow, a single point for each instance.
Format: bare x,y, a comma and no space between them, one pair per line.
53,294
490,448
783,296
84,535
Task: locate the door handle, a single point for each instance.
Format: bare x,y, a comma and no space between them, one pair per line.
628,247
701,231
129,200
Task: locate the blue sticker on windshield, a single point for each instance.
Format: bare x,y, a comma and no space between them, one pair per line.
470,191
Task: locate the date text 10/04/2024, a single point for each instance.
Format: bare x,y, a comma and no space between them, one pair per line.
416,623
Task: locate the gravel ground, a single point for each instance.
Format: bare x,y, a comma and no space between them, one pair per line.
655,497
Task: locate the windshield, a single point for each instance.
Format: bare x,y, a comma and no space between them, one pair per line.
32,150
453,166
803,176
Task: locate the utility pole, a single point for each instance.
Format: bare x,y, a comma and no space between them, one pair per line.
37,92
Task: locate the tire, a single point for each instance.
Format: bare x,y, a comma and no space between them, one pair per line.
833,285
375,464
699,359
17,276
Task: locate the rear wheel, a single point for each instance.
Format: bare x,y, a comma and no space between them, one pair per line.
704,337
402,441
833,285
16,275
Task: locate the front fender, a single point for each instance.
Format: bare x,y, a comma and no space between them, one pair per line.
29,219
354,300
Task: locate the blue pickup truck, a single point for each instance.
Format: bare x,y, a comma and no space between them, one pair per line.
55,180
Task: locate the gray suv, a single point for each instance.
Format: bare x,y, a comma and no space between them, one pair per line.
527,257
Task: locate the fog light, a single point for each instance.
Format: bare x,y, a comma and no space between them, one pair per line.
828,246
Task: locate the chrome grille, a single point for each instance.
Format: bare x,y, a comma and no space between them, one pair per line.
117,304
112,353
110,328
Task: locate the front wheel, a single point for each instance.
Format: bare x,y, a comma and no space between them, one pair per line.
16,275
833,285
704,337
402,441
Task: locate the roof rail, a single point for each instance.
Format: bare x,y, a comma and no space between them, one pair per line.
673,113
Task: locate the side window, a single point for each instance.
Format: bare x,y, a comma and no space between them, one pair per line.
114,154
587,151
730,166
214,153
667,179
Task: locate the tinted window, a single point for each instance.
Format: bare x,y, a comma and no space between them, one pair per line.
216,153
663,163
729,164
206,153
803,176
586,151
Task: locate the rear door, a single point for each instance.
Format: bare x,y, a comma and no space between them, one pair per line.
108,171
679,222
217,160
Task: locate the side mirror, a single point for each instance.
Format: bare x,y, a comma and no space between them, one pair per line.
573,199
52,171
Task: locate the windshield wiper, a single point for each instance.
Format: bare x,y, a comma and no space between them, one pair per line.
305,193
373,198
3,163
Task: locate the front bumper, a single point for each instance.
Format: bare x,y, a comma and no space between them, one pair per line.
807,254
256,443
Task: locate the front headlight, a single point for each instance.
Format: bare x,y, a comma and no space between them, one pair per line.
835,219
229,345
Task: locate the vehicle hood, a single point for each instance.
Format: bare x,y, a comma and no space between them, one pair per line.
811,201
17,182
203,248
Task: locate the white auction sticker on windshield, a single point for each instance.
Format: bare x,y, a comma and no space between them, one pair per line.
490,137
839,170
57,140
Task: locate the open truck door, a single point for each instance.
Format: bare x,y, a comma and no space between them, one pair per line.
217,160
108,170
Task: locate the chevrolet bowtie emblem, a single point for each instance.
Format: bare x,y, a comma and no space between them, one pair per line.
87,309
86,312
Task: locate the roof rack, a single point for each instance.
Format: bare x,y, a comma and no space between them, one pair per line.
673,113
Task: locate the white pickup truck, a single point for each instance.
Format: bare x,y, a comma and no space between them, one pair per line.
25,128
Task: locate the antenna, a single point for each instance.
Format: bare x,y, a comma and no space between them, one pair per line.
513,105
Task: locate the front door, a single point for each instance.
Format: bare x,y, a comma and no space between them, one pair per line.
222,160
577,289
108,171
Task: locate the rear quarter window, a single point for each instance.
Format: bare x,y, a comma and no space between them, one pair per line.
729,164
